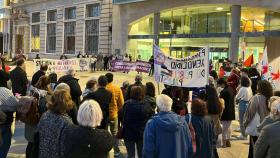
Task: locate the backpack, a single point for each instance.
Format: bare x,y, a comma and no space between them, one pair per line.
28,111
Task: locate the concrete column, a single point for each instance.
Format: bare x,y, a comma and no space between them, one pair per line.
235,30
156,28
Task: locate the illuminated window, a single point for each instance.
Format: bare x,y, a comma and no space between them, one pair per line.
35,38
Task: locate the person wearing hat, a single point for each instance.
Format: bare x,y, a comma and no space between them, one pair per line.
75,89
138,82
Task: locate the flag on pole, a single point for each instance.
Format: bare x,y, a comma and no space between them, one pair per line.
263,65
275,76
249,61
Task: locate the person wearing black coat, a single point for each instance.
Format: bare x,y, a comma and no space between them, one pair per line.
19,78
85,140
103,97
134,121
72,82
4,76
229,111
38,74
138,82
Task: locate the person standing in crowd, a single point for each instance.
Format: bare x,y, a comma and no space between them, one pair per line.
72,112
37,56
257,108
79,55
86,140
91,86
272,117
52,123
179,106
242,99
204,129
93,60
53,79
116,104
103,97
268,142
151,61
233,80
138,82
38,74
42,92
106,60
215,107
19,78
4,76
8,104
63,56
255,77
99,62
135,118
167,134
167,90
228,113
124,87
149,99
75,89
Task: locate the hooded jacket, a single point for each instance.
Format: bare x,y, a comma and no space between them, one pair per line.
167,135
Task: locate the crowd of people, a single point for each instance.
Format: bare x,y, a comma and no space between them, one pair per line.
63,121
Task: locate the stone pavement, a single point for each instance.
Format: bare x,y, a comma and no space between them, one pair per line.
239,148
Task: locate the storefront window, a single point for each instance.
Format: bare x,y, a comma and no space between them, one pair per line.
140,47
272,21
143,26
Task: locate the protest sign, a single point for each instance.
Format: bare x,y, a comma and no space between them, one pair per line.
186,72
126,66
78,64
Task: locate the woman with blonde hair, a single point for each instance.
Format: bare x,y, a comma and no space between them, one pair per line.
85,140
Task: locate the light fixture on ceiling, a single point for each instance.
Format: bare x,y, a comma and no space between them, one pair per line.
219,8
245,19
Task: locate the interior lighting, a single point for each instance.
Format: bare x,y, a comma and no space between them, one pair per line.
219,8
244,18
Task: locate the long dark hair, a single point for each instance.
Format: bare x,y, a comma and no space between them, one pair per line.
213,103
265,89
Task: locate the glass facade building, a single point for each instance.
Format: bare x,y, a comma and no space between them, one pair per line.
184,30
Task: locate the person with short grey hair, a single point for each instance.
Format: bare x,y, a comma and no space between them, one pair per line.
85,140
167,130
268,142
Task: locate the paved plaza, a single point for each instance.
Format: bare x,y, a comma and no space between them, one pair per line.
239,148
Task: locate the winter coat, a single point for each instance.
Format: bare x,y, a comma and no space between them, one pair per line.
19,81
204,135
36,77
86,142
4,78
135,118
75,89
267,145
229,112
117,100
167,135
127,97
8,102
50,129
103,97
150,105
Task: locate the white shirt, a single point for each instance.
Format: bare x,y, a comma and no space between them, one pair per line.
244,93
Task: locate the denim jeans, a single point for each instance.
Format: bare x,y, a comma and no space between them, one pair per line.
7,138
242,109
114,131
130,147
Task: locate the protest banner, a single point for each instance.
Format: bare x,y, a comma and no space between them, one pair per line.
78,64
186,72
126,66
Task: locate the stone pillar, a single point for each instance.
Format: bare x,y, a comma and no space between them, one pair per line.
235,30
156,28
